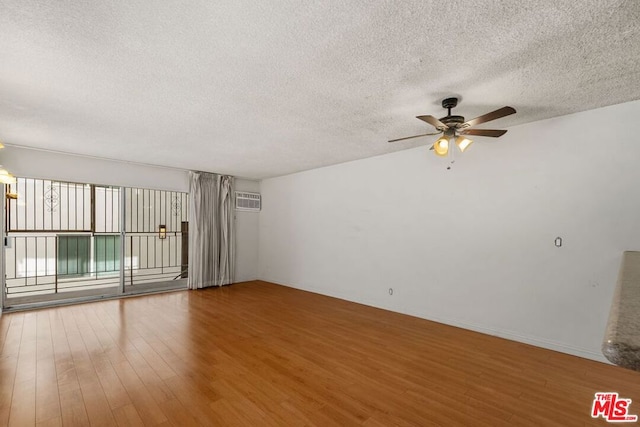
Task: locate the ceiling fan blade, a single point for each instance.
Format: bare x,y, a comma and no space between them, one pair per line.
483,132
415,136
502,112
433,122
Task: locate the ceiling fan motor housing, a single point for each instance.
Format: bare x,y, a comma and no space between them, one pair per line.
453,121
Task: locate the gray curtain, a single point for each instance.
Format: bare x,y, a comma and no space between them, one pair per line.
226,235
211,230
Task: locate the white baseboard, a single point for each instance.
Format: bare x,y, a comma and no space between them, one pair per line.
506,334
535,341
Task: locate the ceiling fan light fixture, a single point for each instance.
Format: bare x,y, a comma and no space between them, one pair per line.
455,129
441,146
463,143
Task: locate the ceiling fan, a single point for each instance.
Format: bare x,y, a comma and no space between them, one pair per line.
455,128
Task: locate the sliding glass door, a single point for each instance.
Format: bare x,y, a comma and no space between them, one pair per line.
156,239
72,240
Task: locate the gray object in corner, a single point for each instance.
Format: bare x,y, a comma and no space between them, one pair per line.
621,344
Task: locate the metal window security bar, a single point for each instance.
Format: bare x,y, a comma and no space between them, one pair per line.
155,236
68,239
45,205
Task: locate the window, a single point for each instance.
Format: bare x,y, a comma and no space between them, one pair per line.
73,255
66,236
106,254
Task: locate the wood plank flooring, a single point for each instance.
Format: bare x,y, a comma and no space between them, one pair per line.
259,354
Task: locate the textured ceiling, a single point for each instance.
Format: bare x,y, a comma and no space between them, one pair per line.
265,88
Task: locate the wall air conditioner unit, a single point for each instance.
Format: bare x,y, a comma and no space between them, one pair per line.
248,201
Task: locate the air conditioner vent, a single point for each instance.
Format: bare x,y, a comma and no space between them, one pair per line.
248,201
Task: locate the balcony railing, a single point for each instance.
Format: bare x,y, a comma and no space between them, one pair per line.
51,264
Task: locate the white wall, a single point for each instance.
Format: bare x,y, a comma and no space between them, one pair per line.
247,236
46,165
473,246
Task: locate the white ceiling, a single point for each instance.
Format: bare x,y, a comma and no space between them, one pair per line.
265,88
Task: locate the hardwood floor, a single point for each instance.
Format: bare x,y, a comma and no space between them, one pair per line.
261,354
